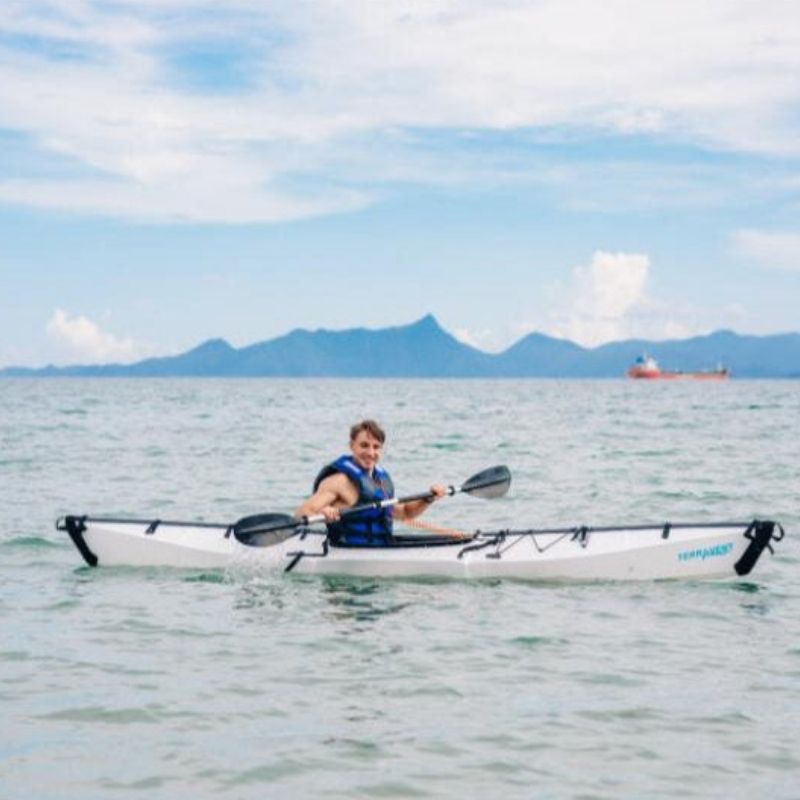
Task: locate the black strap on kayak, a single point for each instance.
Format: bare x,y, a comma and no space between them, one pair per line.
539,548
494,539
761,534
666,530
151,529
293,563
75,527
511,538
303,554
581,535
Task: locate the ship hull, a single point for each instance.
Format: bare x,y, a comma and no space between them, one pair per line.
660,375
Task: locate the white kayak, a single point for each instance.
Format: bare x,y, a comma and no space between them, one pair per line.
647,552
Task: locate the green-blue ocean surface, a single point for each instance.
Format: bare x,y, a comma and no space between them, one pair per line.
159,683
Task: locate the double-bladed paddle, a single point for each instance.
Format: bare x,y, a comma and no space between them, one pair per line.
262,530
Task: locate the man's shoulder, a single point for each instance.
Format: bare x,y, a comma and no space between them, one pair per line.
339,484
335,477
337,467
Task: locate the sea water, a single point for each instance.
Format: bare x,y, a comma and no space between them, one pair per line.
162,683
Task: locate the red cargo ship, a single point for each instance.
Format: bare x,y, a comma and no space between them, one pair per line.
647,367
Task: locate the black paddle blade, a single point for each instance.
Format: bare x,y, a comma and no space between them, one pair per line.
490,483
264,530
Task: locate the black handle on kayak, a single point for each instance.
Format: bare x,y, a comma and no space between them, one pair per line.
262,530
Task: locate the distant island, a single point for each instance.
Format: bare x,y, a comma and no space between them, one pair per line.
424,349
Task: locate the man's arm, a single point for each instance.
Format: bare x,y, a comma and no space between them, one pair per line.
333,493
415,508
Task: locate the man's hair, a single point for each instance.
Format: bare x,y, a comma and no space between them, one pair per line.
371,427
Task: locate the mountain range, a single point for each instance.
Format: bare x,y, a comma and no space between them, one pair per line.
424,349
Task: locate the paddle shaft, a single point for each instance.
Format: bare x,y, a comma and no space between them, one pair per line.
377,504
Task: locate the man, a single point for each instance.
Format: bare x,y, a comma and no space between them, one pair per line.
355,479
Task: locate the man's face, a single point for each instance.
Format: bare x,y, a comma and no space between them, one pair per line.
366,450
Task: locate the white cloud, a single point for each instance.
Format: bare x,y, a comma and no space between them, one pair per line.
84,339
776,249
608,300
220,201
99,88
482,339
603,298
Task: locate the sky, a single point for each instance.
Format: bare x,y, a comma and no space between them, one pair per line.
178,170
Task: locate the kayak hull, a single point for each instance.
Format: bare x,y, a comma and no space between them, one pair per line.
694,551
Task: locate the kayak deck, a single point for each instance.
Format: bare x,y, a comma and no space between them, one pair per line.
639,552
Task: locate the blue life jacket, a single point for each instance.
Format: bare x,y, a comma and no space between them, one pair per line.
372,527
